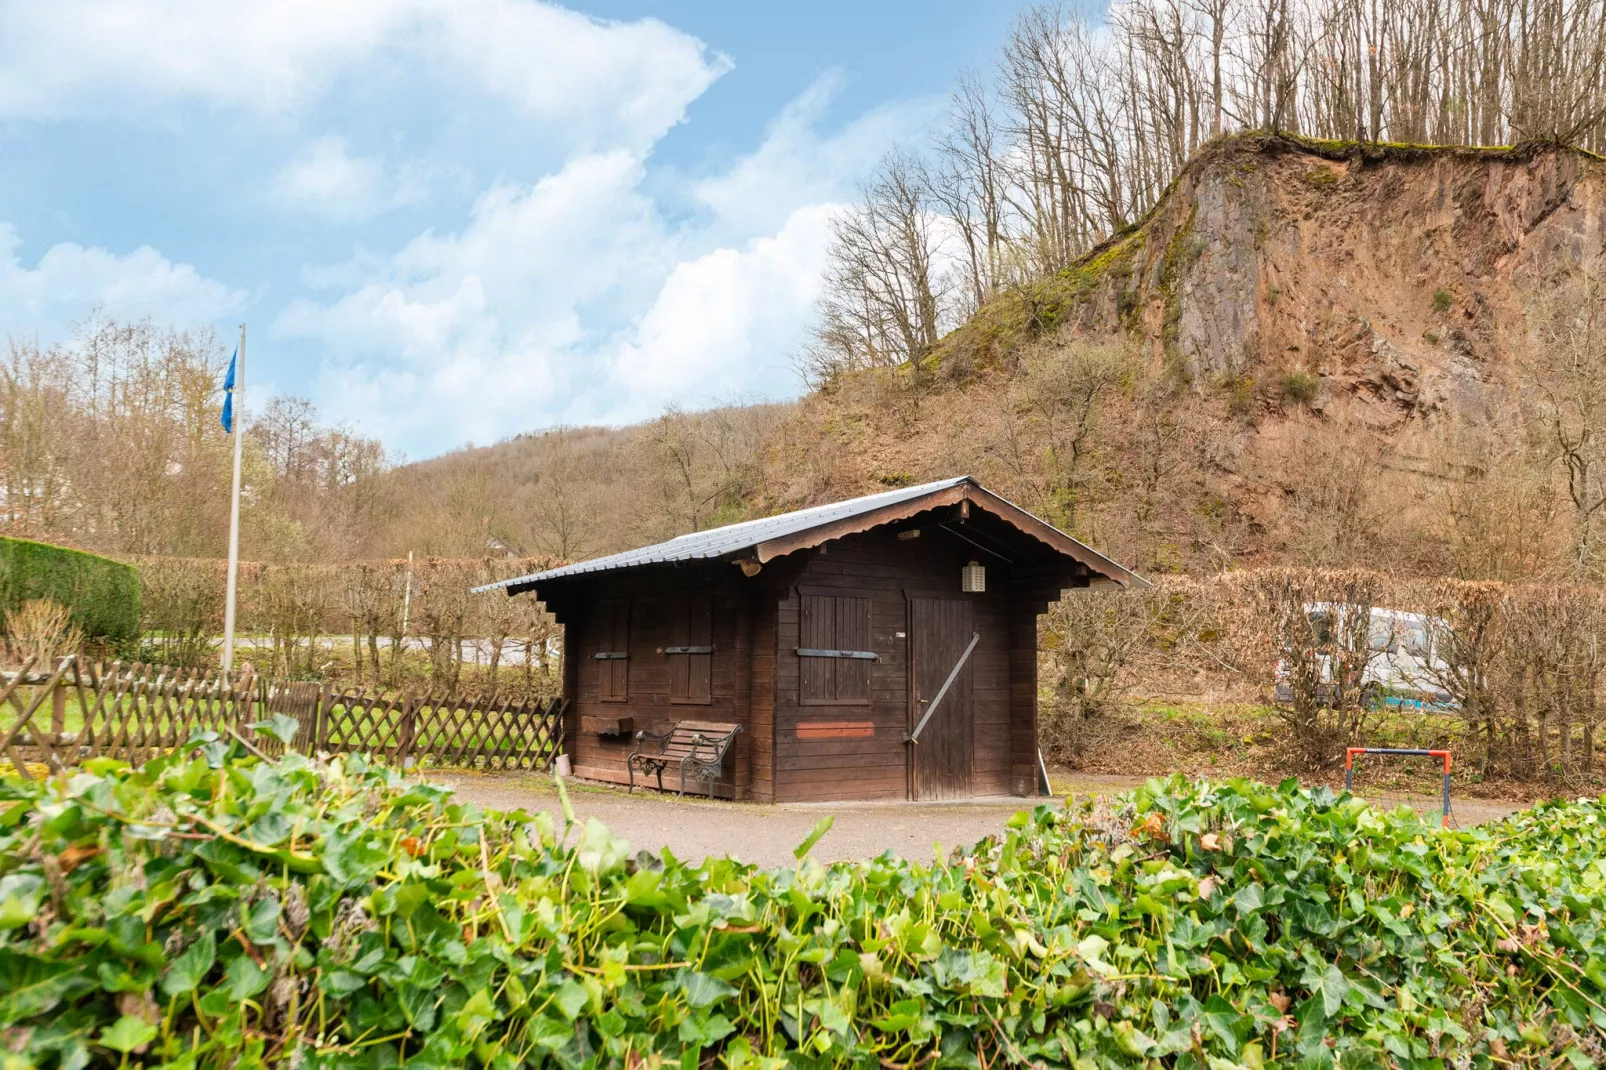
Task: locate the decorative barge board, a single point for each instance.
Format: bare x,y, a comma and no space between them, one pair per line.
883,647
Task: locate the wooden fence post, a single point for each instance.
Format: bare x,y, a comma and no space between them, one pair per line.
320,720
405,743
58,711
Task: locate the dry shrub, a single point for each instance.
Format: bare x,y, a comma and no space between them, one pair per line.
293,604
1095,646
1521,664
1470,638
298,607
440,613
1309,630
518,622
1550,679
42,630
375,592
182,602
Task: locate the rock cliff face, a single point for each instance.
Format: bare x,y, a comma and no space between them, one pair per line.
1329,344
1400,280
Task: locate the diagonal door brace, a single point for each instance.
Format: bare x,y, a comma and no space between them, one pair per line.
914,737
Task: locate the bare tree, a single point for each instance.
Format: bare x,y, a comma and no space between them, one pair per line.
1062,393
883,304
1566,365
971,183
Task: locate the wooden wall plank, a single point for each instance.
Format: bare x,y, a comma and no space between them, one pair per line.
891,571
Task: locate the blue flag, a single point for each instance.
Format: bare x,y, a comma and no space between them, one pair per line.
228,396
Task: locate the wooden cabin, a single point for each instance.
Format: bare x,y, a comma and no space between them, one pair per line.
826,633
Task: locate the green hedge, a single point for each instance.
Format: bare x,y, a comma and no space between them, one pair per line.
218,911
102,594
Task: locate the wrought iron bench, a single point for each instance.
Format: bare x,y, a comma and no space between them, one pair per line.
697,747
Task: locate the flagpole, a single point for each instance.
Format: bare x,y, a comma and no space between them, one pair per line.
237,414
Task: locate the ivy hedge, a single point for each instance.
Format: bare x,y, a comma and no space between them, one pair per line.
217,910
101,594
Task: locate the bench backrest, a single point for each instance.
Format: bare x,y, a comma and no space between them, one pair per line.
705,740
710,729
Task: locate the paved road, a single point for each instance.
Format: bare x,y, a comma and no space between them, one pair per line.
766,835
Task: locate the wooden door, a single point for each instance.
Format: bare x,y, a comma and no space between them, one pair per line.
939,632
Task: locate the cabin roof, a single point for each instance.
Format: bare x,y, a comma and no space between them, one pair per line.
770,537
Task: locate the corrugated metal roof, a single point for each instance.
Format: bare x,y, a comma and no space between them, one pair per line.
733,538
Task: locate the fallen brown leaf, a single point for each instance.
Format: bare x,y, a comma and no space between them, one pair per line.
76,855
1153,826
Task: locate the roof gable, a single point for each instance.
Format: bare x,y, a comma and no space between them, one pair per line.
768,538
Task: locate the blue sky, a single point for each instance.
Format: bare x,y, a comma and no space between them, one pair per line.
453,220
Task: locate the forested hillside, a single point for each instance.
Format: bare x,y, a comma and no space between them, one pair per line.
1234,280
1306,352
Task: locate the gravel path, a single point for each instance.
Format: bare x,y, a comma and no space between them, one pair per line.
766,835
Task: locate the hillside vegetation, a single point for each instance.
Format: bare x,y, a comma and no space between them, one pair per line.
1202,283
1305,353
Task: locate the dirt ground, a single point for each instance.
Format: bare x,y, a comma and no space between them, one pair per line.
766,835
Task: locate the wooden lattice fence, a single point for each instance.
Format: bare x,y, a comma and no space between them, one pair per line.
135,712
443,728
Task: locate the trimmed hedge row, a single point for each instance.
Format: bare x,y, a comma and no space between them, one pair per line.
218,911
101,594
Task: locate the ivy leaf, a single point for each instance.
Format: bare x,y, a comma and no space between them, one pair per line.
279,727
190,968
263,921
33,987
351,856
341,983
705,1032
244,978
20,895
1332,987
701,989
600,850
571,999
821,827
127,1034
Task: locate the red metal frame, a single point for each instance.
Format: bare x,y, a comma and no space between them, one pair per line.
1349,767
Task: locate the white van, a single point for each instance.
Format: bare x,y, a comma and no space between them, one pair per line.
1403,670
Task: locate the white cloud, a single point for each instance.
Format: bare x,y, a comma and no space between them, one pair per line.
70,280
725,322
529,254
799,162
328,181
573,300
121,58
475,334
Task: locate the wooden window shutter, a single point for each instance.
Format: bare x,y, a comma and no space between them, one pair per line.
690,653
834,655
613,654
